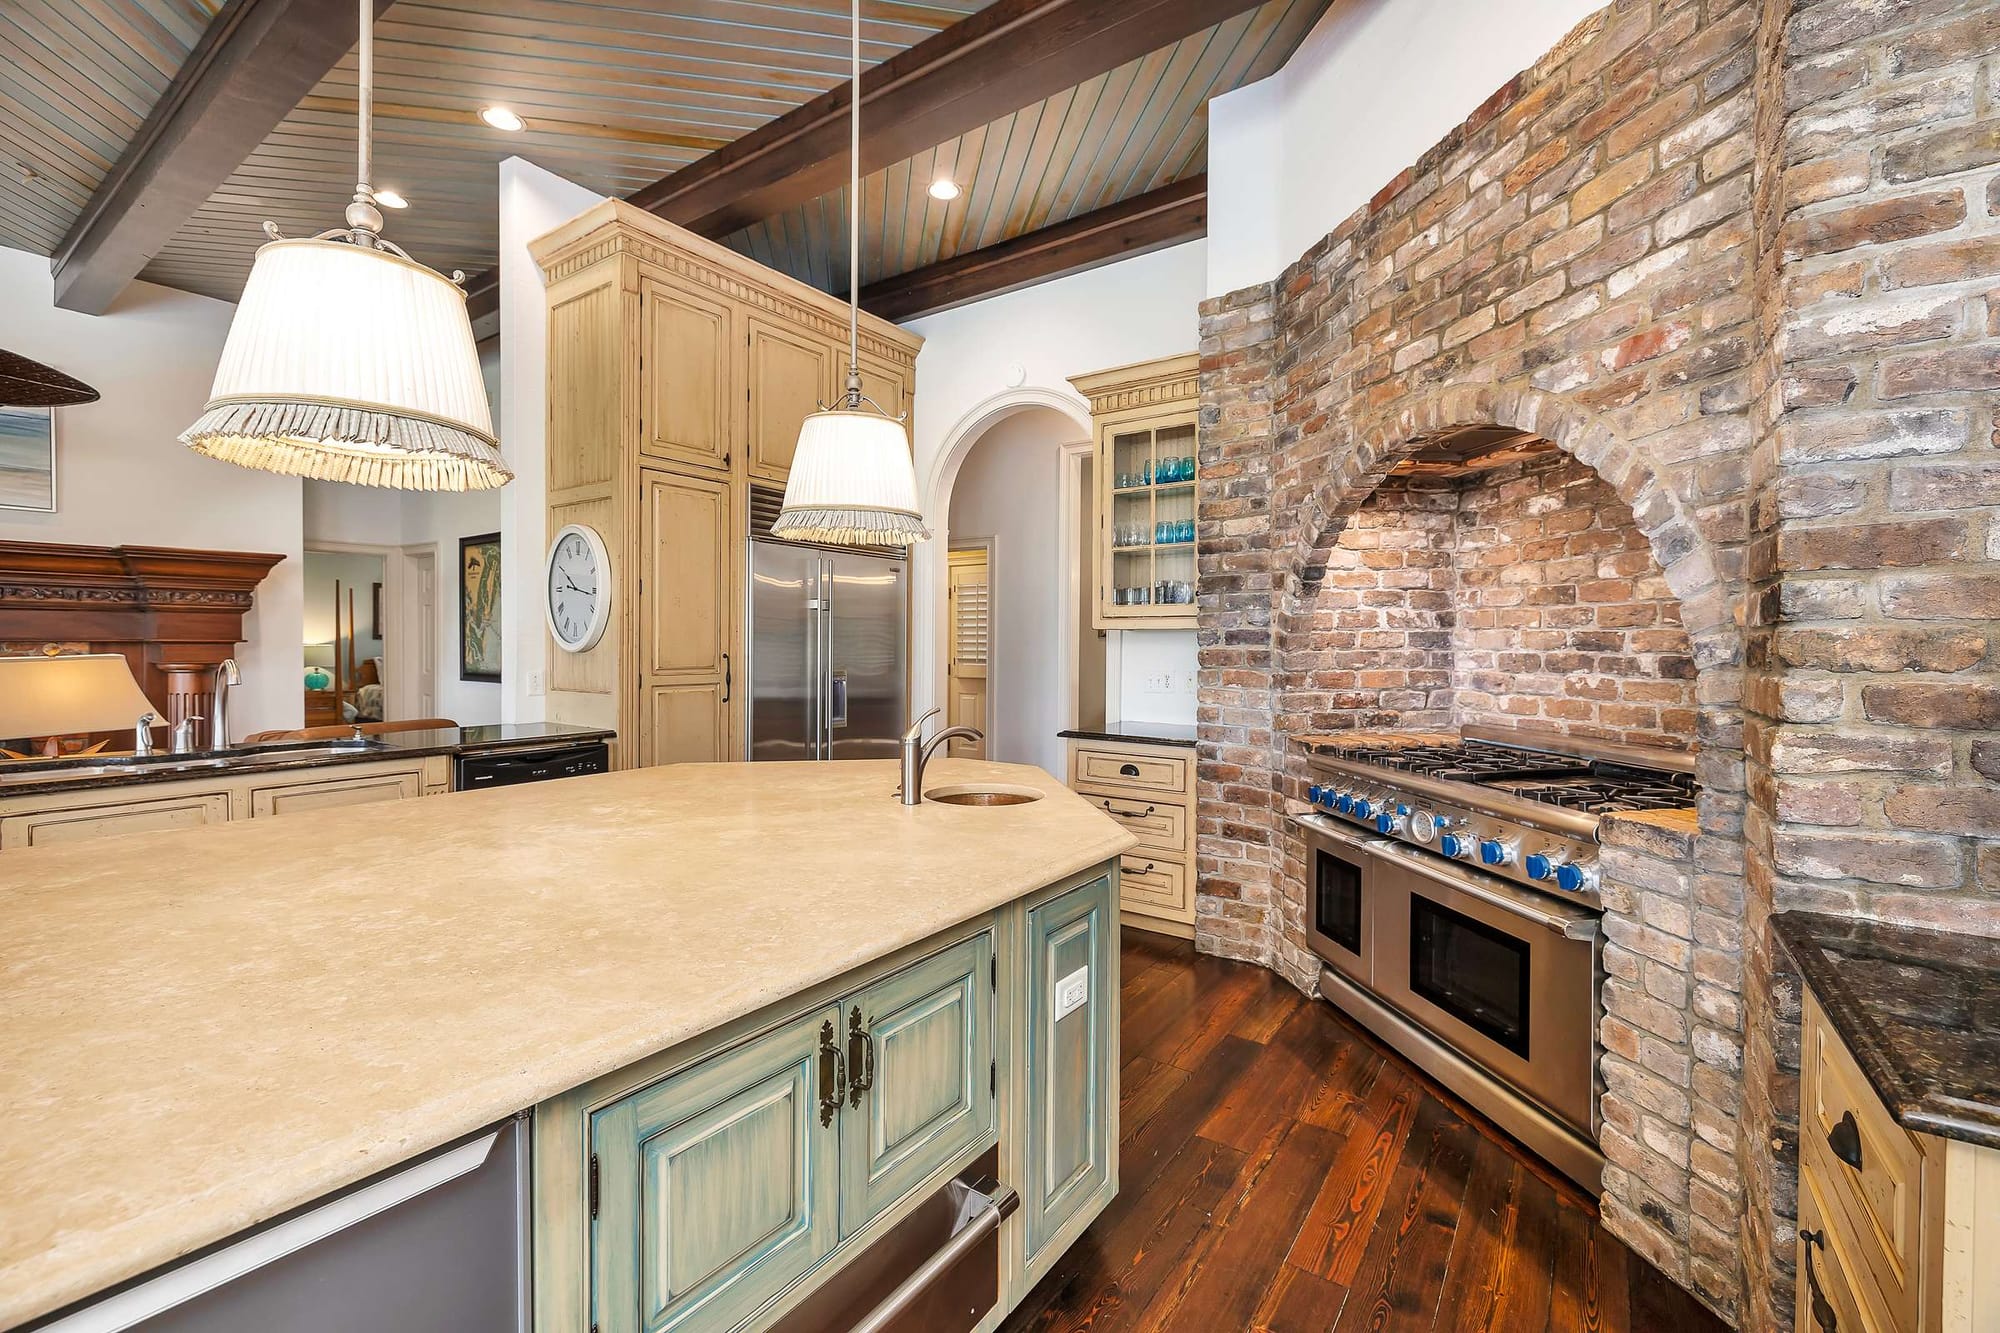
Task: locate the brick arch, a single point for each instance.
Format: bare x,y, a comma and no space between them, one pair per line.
1354,465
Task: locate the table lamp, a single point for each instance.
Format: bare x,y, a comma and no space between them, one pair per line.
319,664
53,697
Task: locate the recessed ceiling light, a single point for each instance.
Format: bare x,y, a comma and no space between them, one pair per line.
390,199
500,118
944,189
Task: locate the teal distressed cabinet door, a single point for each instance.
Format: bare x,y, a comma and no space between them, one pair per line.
718,1186
919,1052
1072,1025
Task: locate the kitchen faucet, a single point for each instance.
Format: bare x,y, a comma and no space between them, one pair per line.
916,753
226,675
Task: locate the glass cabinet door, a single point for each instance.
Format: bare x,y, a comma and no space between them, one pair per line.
1149,525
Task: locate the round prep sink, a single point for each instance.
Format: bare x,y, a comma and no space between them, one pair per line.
995,795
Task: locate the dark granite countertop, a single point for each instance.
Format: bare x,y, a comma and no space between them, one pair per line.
1136,733
34,777
1920,1010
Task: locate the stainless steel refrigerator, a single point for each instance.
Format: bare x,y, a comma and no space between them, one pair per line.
829,652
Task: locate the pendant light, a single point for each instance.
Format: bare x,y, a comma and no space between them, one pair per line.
349,361
852,482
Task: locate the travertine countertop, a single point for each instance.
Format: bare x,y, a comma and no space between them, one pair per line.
207,1028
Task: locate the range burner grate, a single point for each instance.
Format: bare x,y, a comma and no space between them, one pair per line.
1469,761
1610,793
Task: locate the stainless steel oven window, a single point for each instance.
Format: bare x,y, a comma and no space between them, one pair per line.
1337,900
1473,972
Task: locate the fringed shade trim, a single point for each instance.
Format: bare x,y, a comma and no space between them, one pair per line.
328,442
850,527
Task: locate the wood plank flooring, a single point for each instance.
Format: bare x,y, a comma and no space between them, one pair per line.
1281,1171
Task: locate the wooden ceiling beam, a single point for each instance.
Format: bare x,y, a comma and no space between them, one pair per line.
1151,221
255,62
991,63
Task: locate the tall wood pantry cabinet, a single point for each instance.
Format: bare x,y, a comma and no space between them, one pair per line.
679,373
1145,468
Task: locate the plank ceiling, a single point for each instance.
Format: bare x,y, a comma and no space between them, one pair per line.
77,78
616,95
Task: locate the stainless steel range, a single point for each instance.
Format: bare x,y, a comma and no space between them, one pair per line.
1452,893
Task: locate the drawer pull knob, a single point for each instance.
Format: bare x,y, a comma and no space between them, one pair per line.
1845,1140
1822,1309
1128,770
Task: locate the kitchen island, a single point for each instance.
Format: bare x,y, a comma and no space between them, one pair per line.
208,1029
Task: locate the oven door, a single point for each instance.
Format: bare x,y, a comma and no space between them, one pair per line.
1506,976
1340,925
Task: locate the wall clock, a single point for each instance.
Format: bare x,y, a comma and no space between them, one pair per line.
576,588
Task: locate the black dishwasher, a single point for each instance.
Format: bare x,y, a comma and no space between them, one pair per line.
506,768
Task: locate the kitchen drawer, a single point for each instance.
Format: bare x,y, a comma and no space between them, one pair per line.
1130,771
331,793
1160,824
1828,1300
1155,886
44,828
1870,1167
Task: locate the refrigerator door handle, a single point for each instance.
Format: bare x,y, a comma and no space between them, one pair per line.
828,717
813,668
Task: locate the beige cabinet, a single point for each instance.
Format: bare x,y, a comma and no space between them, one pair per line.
687,653
151,813
791,375
1898,1232
1150,790
679,375
46,818
1147,475
687,357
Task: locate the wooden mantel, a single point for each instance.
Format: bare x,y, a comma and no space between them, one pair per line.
172,613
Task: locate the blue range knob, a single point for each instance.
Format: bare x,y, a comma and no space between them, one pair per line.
1326,798
1452,845
1493,852
1344,802
1362,809
1538,866
1570,878
1312,794
1385,822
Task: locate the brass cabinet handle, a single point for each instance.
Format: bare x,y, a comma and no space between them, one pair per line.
1845,1140
832,1075
1822,1309
1110,809
860,1056
1128,770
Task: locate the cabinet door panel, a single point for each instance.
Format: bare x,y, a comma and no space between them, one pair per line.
686,401
931,1095
684,724
685,679
789,376
299,797
45,828
1070,1055
718,1186
881,383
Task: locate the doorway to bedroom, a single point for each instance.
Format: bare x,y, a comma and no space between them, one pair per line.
370,650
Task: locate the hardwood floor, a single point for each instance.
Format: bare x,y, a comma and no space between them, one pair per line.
1280,1171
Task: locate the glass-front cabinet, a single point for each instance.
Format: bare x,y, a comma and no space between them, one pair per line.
1146,471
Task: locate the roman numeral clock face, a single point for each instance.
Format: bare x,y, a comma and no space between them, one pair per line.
578,594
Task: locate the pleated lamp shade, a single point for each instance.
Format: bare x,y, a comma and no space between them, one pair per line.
350,363
852,483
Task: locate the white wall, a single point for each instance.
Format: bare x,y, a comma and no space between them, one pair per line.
1007,490
988,361
123,479
1375,84
355,573
532,202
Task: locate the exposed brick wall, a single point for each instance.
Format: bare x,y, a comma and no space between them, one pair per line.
1741,258
1522,594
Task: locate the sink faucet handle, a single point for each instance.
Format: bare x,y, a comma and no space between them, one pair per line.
916,731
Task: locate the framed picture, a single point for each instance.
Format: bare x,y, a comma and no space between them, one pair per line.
479,607
28,458
375,626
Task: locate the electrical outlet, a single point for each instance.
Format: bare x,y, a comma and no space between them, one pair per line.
535,689
1073,991
1160,682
